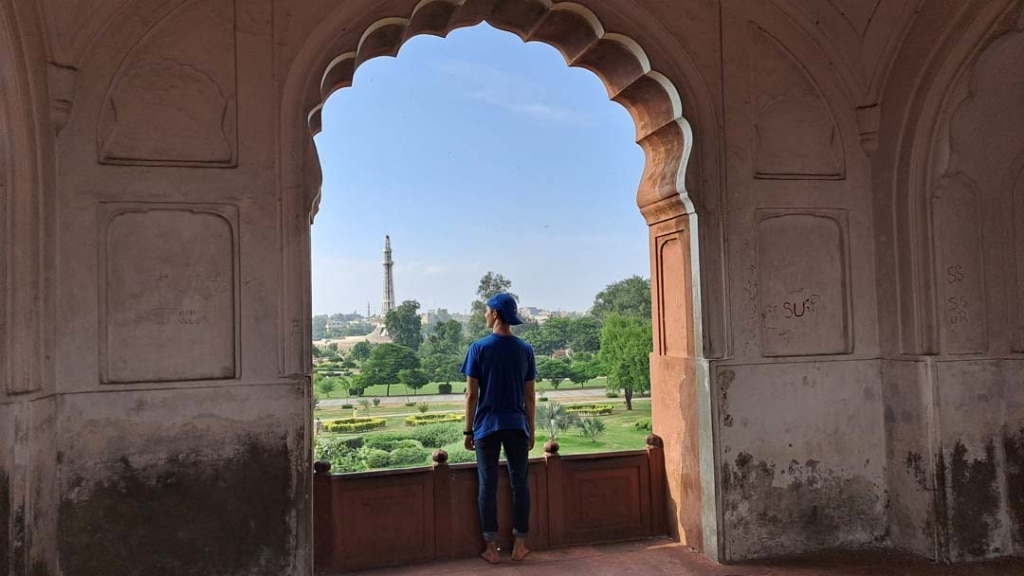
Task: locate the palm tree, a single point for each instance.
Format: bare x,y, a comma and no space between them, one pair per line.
591,428
555,418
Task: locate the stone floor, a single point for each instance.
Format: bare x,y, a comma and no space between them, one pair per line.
660,557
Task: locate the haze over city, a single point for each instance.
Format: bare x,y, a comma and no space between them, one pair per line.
457,150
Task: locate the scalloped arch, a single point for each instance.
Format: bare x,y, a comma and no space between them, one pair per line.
620,62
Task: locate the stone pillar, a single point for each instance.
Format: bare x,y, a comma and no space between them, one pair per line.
680,404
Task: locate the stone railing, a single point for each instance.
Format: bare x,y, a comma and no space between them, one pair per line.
370,519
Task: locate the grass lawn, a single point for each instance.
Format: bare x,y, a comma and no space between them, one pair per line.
380,390
620,432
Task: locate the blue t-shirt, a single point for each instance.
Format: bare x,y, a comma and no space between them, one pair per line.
503,365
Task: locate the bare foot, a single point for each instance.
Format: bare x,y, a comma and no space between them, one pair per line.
519,550
490,554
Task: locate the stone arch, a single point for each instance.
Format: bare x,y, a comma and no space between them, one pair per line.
622,65
682,408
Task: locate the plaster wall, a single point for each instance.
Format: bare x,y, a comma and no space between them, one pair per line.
802,464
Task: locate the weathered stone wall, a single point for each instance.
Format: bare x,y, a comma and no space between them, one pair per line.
799,406
204,483
947,210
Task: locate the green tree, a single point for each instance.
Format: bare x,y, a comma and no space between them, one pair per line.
356,385
490,284
403,324
554,371
443,350
413,379
626,345
326,386
526,328
386,361
544,341
585,335
447,338
630,298
443,367
361,351
584,371
319,327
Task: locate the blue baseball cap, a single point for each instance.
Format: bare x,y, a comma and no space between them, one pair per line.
505,305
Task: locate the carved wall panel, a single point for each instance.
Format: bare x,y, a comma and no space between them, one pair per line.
795,134
168,291
960,266
674,323
172,102
803,284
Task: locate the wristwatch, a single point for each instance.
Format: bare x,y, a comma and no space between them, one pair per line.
467,432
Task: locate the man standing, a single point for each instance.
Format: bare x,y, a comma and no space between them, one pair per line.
500,371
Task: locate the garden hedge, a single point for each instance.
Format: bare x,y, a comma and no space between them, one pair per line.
421,419
350,425
590,409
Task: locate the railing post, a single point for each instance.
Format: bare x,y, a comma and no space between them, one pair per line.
556,504
323,517
656,463
442,506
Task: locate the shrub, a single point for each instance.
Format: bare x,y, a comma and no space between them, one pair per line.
376,402
346,406
410,404
437,435
342,453
365,404
590,409
421,419
408,456
423,407
542,399
376,458
591,428
444,388
611,394
386,441
407,443
349,425
332,447
457,453
643,424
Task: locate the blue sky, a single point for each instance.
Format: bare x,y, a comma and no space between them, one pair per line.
476,153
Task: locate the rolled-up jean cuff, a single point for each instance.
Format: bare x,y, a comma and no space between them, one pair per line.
518,534
490,536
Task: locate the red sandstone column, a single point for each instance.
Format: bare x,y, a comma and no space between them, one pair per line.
674,383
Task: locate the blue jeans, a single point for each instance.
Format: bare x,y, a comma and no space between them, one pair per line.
517,455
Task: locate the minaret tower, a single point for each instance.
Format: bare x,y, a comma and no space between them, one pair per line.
388,302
